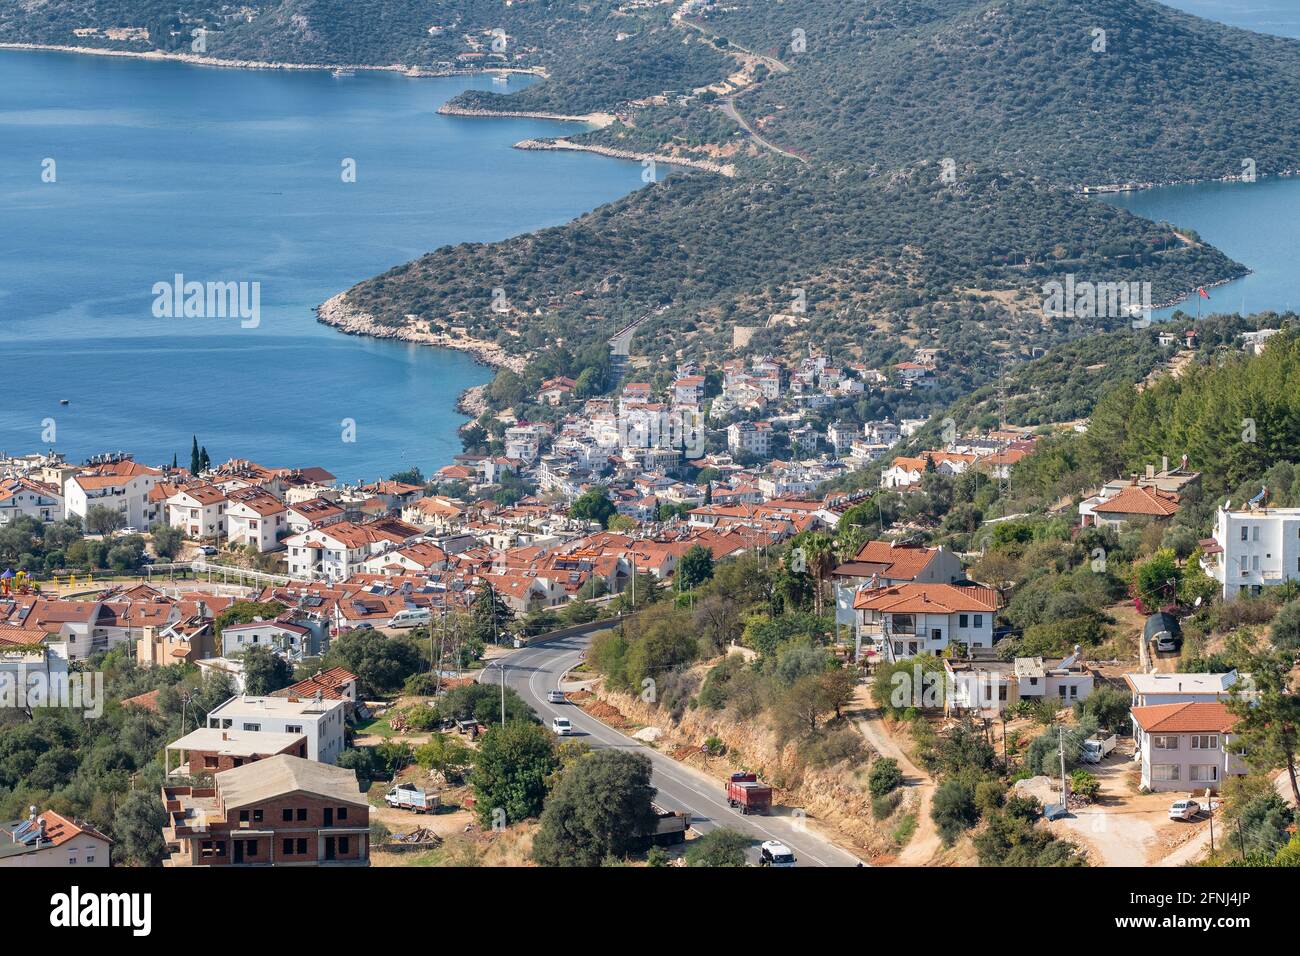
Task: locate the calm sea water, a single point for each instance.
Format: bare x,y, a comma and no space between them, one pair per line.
232,175
1258,224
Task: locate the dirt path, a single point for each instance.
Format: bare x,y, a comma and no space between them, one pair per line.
925,843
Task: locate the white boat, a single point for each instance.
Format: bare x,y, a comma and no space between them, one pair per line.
341,73
502,78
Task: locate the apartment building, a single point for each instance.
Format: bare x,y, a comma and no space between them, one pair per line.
279,811
123,486
199,511
1253,548
24,497
320,720
257,518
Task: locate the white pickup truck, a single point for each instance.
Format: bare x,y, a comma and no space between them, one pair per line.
1097,747
407,796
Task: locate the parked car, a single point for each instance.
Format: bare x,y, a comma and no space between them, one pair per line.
208,550
561,726
1184,810
556,697
772,853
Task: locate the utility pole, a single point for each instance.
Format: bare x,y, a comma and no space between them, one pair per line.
502,665
1065,787
1209,808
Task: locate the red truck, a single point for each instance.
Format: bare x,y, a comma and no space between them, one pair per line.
746,794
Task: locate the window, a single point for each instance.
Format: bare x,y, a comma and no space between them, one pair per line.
1205,741
288,847
963,620
343,813
302,814
979,620
253,727
1207,773
293,728
243,816
286,815
209,763
1166,772
250,847
302,846
1002,692
343,844
91,858
1244,533
257,816
1164,743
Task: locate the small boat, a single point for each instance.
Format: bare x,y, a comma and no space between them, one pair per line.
501,78
342,73
63,401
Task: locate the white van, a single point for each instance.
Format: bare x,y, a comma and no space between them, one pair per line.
411,617
561,726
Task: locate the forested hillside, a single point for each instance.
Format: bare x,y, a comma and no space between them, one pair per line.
1085,91
880,259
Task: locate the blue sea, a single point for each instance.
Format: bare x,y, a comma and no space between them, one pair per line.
224,175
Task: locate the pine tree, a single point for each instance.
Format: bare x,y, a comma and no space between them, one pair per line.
204,461
194,455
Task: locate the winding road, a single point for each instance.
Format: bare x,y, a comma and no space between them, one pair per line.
536,669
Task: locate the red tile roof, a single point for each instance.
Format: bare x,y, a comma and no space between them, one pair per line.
1139,500
927,599
1186,718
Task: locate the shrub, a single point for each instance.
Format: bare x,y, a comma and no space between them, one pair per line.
953,810
885,804
884,777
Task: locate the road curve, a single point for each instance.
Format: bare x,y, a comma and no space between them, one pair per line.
534,670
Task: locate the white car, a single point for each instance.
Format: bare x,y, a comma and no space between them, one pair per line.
772,853
1184,810
561,726
556,697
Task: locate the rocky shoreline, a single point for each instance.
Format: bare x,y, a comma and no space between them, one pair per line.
721,169
338,314
598,119
203,60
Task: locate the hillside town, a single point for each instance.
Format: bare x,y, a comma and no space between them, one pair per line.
345,640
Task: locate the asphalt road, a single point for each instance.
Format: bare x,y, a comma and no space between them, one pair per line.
533,671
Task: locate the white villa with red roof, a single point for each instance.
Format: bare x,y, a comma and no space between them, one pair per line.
904,620
1186,747
884,563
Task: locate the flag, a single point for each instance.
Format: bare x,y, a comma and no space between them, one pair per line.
1203,293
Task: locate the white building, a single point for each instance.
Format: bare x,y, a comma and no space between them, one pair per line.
255,517
34,499
1148,690
122,486
754,438
199,511
320,721
1253,548
991,686
1185,747
904,620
